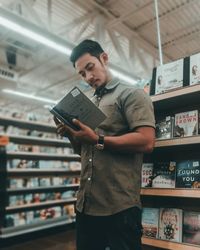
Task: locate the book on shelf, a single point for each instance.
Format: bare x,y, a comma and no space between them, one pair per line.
195,69
167,77
191,227
76,104
150,222
147,175
164,128
186,123
170,224
188,174
164,174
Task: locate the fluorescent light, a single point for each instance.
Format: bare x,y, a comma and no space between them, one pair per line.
34,36
29,96
123,77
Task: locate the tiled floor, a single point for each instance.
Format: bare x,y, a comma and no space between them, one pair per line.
60,241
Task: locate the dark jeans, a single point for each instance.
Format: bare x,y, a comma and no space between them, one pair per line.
121,231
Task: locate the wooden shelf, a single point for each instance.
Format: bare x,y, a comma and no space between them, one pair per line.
20,139
42,172
42,156
60,188
27,124
183,141
188,193
33,206
168,244
188,96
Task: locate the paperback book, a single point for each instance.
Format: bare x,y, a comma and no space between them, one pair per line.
164,128
170,224
195,69
188,174
191,227
164,175
147,175
169,76
150,219
76,104
186,124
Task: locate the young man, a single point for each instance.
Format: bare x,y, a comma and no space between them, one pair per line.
108,201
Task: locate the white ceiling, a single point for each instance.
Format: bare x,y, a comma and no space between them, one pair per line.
126,29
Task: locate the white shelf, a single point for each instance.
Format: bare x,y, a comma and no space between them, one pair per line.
20,139
32,125
41,156
183,141
43,189
33,206
42,172
46,224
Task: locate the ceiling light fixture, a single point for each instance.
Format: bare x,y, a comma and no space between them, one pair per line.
29,96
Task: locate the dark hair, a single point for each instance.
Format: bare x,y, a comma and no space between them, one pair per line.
86,46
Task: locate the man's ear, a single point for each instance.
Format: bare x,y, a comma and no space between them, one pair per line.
104,58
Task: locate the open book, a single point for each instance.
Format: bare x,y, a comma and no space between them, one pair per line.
76,104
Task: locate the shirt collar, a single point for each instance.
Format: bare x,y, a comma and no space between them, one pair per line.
107,88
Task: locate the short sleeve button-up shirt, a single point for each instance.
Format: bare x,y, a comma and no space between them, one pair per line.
110,181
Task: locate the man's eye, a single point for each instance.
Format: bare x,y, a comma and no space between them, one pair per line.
90,66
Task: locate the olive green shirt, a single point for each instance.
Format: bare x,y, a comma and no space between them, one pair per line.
110,181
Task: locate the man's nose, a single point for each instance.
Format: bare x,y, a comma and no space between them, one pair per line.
89,77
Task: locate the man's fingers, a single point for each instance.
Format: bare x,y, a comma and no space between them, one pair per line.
56,120
78,123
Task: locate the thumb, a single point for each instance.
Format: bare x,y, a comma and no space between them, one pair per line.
78,123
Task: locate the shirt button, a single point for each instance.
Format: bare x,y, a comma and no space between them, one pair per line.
89,178
90,160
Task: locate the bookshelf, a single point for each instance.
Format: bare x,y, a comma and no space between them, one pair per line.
25,174
175,149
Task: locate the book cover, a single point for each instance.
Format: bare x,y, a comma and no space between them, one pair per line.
147,174
186,124
170,224
191,227
188,174
150,219
76,104
164,128
195,69
169,76
164,174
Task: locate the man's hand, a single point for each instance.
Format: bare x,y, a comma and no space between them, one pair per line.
85,134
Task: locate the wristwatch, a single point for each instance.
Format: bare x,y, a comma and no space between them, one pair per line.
100,143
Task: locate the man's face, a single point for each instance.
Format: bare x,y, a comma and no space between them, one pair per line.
93,70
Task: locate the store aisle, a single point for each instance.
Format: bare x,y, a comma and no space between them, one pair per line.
60,241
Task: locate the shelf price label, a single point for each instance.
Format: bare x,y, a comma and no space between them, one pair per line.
4,140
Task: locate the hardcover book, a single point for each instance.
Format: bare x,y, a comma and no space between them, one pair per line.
164,175
164,128
147,174
169,76
170,224
150,219
77,105
188,174
186,124
191,227
195,69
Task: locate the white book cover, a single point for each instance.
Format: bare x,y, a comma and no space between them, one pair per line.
146,175
195,69
186,124
169,76
170,224
150,219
